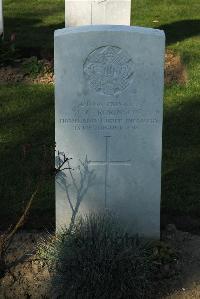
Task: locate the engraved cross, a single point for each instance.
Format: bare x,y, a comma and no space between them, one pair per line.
107,162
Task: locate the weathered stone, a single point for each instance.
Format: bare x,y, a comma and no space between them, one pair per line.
96,12
109,104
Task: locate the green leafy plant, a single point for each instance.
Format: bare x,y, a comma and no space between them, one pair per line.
32,66
163,253
96,259
8,51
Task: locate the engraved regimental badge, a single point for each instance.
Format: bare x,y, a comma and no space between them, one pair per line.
108,70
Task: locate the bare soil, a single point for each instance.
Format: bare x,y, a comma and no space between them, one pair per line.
174,72
185,283
30,277
17,74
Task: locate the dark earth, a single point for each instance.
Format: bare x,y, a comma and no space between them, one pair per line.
174,71
30,277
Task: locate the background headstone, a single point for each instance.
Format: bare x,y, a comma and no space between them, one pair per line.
96,12
1,18
109,105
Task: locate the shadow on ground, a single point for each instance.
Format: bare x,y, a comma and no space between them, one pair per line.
26,125
180,30
32,36
27,117
182,281
181,164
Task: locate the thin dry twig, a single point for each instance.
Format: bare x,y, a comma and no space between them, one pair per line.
7,238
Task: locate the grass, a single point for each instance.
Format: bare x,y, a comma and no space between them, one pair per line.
27,111
96,259
27,119
33,22
180,20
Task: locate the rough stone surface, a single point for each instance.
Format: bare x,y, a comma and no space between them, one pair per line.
109,89
96,12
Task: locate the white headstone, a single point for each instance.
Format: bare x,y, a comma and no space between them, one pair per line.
109,105
1,18
96,12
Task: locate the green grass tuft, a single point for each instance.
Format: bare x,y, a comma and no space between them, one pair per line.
96,259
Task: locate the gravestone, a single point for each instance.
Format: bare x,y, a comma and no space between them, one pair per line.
1,18
96,12
109,105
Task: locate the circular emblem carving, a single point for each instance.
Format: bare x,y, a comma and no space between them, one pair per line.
109,70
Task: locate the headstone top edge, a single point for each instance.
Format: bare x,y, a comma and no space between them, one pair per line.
111,28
